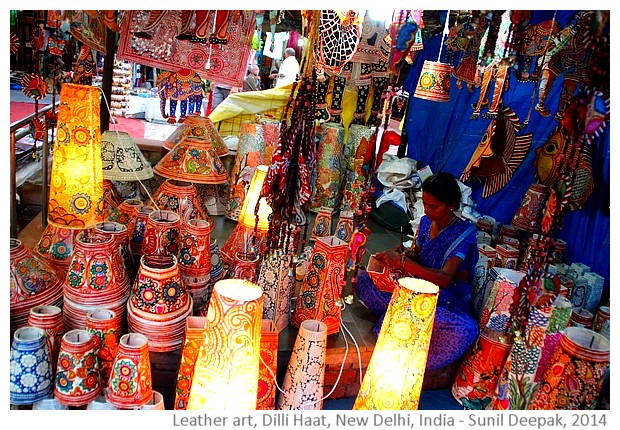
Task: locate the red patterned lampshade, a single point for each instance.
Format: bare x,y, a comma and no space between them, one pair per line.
434,82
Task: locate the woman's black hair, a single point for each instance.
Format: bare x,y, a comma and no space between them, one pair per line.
444,187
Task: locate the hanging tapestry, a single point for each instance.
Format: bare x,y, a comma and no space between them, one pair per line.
173,40
499,153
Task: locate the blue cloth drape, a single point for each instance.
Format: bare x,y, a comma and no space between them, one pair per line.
442,136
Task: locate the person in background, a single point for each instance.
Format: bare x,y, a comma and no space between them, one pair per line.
445,253
219,94
289,69
252,80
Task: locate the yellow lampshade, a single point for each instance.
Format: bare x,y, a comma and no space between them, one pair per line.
226,371
395,373
247,217
76,185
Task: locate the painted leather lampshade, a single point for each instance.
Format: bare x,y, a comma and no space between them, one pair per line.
30,367
49,319
76,183
322,223
180,197
395,373
194,335
195,260
302,387
137,228
328,167
56,247
120,234
33,282
122,160
574,378
126,211
199,127
434,82
96,278
193,160
322,285
257,141
529,215
276,280
252,226
226,371
130,385
161,235
268,366
101,324
77,373
159,303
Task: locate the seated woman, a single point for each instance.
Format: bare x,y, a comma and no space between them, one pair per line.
445,253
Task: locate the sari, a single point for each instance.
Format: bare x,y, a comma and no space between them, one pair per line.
455,327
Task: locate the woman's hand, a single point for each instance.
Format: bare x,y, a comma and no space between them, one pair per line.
389,258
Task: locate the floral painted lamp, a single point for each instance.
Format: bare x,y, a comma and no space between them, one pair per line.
395,373
226,371
76,185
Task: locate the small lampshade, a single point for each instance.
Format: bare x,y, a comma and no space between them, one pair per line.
193,160
199,127
226,371
395,373
76,185
248,217
122,160
434,82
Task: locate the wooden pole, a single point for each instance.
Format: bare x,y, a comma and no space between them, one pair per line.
106,84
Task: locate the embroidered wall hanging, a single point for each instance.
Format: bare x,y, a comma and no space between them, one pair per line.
174,40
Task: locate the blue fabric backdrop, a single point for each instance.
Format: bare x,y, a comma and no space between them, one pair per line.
442,136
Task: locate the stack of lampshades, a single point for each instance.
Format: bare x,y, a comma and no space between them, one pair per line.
33,283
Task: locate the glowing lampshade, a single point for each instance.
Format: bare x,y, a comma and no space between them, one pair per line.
122,159
248,217
395,373
193,160
226,371
243,236
76,185
434,82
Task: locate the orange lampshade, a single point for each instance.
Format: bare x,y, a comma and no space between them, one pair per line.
200,127
76,185
434,82
193,160
226,371
247,217
395,373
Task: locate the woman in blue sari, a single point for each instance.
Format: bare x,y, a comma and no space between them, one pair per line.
445,253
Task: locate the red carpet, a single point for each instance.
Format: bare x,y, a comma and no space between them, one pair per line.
135,127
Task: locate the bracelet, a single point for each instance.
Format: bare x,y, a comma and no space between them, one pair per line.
402,261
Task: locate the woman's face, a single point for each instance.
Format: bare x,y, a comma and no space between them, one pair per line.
434,208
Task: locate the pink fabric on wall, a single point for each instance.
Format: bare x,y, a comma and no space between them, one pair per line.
227,61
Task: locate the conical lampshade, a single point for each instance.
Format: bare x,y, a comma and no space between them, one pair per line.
122,160
76,185
193,160
199,127
434,82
